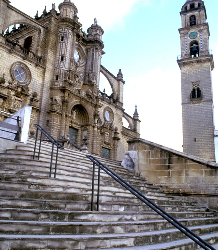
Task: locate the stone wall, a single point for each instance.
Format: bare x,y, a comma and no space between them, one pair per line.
197,114
177,172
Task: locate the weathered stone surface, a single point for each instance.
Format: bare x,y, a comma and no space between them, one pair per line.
173,169
62,220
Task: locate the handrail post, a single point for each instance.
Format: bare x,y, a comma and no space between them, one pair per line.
56,163
40,142
93,186
54,143
37,130
51,159
98,188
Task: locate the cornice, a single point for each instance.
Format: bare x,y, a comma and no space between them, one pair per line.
196,60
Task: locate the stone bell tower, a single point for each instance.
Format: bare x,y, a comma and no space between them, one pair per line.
196,64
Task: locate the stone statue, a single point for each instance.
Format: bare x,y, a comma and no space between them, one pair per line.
128,162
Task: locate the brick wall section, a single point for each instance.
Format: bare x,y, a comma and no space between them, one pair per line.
170,168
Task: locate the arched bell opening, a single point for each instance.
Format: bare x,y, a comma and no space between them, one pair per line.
194,49
192,20
78,129
192,6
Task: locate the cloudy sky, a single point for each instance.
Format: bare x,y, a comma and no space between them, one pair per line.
141,38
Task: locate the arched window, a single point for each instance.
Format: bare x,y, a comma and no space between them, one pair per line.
194,49
192,6
196,93
28,43
192,20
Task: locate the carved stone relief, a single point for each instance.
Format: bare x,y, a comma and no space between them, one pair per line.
34,100
91,77
55,104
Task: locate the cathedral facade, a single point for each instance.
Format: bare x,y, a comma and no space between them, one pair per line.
48,62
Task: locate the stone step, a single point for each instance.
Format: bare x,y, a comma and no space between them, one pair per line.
102,241
78,183
46,204
65,154
82,159
23,182
55,213
105,196
43,168
64,165
184,244
92,227
24,190
87,216
31,190
73,196
82,189
74,180
85,205
46,147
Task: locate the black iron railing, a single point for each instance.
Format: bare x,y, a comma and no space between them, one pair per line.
7,127
144,199
54,143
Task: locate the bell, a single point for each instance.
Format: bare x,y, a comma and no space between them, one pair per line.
194,48
192,22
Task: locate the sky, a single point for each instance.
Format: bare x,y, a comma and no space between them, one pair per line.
141,38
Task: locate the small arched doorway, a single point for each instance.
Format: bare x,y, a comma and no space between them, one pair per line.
192,20
78,129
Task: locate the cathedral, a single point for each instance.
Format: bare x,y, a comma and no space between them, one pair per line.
51,64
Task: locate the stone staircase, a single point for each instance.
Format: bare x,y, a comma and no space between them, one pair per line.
38,212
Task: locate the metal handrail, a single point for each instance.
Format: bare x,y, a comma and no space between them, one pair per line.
54,143
144,199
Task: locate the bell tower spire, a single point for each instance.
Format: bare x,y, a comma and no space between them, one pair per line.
196,64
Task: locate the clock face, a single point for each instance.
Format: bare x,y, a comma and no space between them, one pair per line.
20,73
193,35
